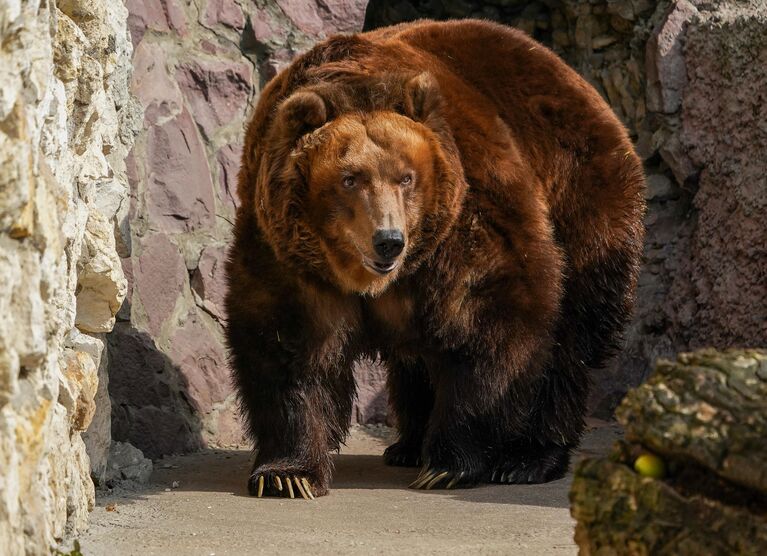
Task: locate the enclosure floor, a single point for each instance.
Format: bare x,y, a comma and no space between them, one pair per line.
369,510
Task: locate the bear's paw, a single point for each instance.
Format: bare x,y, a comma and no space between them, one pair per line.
402,454
532,466
284,481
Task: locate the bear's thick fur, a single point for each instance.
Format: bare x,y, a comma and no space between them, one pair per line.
453,197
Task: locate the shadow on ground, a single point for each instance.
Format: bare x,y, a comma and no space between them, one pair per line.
198,504
359,467
227,472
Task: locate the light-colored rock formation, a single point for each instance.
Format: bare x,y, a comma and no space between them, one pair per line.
66,124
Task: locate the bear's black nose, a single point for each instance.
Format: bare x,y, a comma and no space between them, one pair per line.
388,243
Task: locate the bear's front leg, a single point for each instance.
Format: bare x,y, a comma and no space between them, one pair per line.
493,321
297,409
294,437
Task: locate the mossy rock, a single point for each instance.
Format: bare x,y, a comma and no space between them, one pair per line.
709,407
705,415
620,512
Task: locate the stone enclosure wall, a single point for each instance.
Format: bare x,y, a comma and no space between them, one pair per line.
120,136
66,125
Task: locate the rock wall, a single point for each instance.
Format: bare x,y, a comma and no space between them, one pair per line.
719,295
66,124
198,68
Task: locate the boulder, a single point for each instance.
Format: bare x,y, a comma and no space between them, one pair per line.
127,463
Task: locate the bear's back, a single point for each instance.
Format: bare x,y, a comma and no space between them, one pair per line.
524,122
554,119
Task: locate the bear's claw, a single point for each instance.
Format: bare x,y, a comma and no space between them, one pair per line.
430,478
258,484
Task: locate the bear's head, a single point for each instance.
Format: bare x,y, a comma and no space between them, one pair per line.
364,196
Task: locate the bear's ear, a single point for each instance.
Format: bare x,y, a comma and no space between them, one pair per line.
301,113
422,97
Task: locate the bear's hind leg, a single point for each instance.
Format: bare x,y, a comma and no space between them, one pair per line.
411,399
542,453
595,311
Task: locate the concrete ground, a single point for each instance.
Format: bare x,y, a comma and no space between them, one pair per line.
198,505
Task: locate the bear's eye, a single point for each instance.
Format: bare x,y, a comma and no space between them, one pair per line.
349,182
406,180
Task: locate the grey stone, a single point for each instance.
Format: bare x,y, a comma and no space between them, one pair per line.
660,188
127,463
666,71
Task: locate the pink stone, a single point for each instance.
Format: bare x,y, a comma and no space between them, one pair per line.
342,16
159,278
209,280
265,29
176,16
154,15
179,187
229,428
143,15
151,84
304,15
320,19
229,160
371,405
217,91
201,359
209,47
224,12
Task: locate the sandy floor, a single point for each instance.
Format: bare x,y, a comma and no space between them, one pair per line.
369,510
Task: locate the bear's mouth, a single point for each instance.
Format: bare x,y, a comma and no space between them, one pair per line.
378,267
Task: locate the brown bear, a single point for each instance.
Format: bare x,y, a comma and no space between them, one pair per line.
454,197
